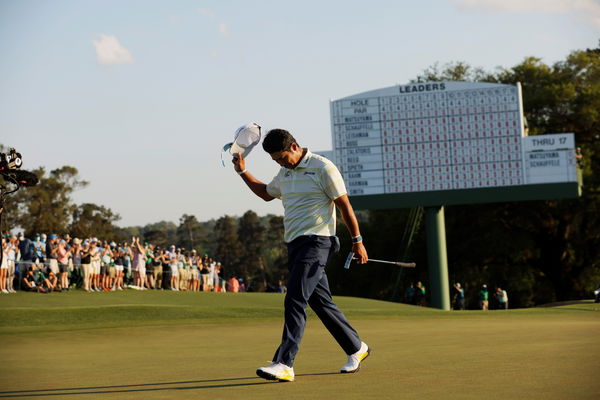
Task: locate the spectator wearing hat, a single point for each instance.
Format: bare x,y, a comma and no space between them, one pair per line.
51,249
219,273
459,297
157,267
40,250
86,264
483,298
173,266
193,262
27,252
204,273
119,256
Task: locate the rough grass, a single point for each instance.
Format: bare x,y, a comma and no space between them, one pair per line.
164,345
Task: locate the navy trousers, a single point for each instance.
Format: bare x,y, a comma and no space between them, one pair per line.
308,285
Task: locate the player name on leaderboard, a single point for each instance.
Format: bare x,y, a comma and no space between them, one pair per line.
429,136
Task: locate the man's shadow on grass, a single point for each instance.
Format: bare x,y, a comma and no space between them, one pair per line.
145,387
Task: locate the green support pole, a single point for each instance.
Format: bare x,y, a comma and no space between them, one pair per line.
436,257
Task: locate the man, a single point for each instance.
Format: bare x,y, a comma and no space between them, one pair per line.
30,283
420,294
40,249
309,186
483,298
193,261
459,297
51,249
502,299
27,250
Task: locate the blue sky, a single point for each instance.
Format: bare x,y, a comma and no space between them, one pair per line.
141,95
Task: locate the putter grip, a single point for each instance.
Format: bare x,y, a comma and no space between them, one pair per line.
407,265
348,260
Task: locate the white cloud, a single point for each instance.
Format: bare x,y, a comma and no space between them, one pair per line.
223,29
221,26
588,9
110,52
206,12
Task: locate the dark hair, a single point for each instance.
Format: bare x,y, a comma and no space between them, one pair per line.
278,140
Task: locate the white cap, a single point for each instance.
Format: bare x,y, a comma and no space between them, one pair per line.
245,138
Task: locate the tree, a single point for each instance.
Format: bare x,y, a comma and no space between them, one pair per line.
274,251
228,248
46,207
454,71
251,236
163,233
157,238
190,232
92,220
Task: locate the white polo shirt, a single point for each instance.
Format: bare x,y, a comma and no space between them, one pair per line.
307,193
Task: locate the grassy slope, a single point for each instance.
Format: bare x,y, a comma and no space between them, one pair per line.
155,345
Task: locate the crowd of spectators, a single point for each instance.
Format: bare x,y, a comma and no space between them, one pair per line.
53,263
415,294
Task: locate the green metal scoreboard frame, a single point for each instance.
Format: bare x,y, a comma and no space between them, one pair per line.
432,144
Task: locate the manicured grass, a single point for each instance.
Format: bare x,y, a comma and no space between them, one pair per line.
164,345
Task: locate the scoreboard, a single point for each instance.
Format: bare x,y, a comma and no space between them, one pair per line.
438,137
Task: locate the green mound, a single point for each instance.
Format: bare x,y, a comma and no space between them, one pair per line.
78,310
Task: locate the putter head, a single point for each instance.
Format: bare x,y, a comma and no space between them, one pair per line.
348,260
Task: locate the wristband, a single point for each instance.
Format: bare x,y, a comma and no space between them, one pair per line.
242,172
357,239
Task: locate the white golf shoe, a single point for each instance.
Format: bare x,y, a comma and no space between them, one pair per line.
354,360
276,372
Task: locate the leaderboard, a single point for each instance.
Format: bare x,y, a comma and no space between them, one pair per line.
429,136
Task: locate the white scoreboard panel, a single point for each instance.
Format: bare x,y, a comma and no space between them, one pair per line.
429,136
550,158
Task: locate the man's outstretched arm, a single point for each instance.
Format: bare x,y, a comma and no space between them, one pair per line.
259,188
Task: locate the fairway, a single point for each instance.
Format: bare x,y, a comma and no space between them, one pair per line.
167,345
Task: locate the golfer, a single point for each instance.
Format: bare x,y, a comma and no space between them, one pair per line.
309,186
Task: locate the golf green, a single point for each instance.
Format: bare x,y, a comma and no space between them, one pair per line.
167,345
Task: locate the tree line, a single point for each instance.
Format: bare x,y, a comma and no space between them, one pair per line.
540,251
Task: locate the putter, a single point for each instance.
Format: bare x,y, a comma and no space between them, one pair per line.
398,263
